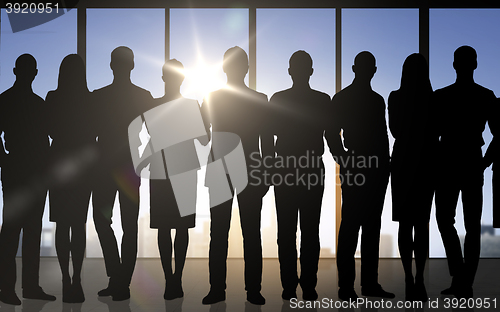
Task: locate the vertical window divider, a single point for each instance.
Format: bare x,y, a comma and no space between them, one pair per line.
423,47
81,30
252,47
338,87
167,34
423,31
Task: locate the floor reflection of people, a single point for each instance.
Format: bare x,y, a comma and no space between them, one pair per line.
218,307
115,306
30,305
72,307
249,307
290,306
174,305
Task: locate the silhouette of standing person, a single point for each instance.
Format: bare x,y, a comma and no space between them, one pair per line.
412,124
460,129
165,214
73,146
118,104
359,113
240,110
299,125
22,121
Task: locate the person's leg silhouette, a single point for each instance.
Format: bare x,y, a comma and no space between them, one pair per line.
446,204
250,205
129,209
220,221
287,217
472,199
103,198
310,213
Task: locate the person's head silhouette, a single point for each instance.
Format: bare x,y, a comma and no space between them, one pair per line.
72,74
122,61
415,75
300,67
25,69
465,60
235,65
173,74
364,66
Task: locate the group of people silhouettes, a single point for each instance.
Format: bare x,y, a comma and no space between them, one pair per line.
435,133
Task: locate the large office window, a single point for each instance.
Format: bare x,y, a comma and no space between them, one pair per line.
143,31
281,32
390,35
450,29
49,43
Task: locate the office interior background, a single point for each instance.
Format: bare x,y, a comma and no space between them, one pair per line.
269,31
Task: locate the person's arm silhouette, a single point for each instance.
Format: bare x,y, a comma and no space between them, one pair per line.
204,141
333,133
267,135
397,122
205,115
494,124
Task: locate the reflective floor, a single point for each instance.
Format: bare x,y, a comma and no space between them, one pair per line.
148,286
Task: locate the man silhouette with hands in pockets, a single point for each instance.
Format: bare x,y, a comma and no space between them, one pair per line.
299,123
359,112
22,120
463,109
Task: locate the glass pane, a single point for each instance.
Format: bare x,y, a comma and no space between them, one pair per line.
390,35
281,32
49,43
143,31
450,29
198,39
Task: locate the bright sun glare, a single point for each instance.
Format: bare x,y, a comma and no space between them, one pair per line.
202,79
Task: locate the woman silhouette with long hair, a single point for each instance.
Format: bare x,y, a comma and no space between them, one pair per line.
72,152
412,125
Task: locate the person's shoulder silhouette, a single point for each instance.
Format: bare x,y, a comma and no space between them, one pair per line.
122,63
235,108
121,102
25,71
299,113
69,106
464,106
410,106
22,112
